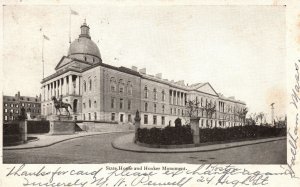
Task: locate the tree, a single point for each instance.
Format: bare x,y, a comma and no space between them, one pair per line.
242,114
260,117
192,108
210,109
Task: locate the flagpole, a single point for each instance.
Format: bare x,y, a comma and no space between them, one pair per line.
70,28
43,54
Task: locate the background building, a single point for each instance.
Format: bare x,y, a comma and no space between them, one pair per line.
102,92
12,106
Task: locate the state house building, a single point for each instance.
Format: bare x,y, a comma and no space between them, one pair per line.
101,92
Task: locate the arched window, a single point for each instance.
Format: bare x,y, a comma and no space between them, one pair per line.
113,84
90,103
84,86
95,104
154,94
146,92
146,107
129,88
163,95
121,86
95,83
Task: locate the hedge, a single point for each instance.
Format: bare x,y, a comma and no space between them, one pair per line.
182,134
239,133
165,136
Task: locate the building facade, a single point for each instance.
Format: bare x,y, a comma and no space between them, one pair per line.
101,92
12,106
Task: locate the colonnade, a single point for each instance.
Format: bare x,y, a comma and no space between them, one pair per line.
177,97
67,85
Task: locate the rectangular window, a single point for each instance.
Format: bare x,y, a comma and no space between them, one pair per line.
83,105
95,116
171,111
129,118
112,102
121,103
83,116
154,120
121,89
89,116
113,115
23,104
5,110
129,104
163,120
145,119
121,117
17,105
5,104
5,118
11,105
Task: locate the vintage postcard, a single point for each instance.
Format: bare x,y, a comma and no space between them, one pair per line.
163,93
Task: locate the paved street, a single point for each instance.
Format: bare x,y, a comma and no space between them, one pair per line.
98,149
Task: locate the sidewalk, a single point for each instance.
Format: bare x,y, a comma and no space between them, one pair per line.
125,143
45,140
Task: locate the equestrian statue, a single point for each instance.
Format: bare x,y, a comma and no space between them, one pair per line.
60,104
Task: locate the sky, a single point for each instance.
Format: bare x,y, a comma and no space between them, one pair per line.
239,50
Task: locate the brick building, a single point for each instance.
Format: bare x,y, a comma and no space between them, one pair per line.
12,106
101,92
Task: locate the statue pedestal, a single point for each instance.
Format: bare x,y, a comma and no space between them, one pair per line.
61,125
195,129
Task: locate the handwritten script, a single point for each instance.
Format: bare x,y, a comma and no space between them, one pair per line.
120,176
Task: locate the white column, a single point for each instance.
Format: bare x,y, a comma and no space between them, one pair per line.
47,92
44,91
70,85
61,86
180,93
65,86
57,89
77,85
171,97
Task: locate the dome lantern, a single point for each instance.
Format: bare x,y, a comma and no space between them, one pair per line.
85,30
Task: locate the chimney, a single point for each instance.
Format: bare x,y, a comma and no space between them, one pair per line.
143,71
134,68
18,96
158,75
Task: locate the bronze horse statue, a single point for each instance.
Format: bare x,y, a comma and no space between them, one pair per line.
60,104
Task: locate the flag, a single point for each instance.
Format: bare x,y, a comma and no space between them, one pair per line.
74,12
46,37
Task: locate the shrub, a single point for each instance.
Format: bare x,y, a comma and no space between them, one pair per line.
166,136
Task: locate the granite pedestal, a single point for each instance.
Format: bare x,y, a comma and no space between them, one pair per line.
61,125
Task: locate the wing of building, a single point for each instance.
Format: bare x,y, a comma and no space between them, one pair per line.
101,92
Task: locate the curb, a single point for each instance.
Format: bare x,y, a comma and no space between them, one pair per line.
191,150
71,138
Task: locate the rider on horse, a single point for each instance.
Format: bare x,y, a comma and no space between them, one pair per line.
60,101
